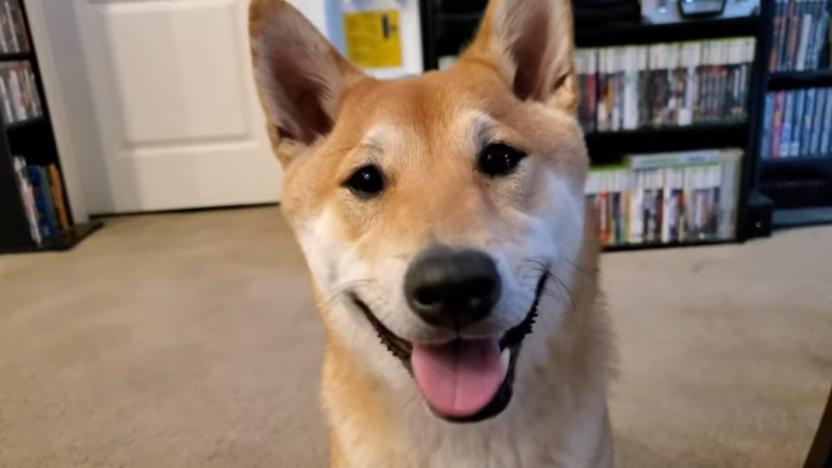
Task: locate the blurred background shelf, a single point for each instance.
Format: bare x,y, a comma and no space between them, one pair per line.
801,217
63,242
778,81
645,33
610,147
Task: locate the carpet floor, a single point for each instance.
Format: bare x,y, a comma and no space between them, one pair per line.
188,340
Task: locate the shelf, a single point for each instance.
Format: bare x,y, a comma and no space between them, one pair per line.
797,163
65,242
800,217
640,33
627,34
16,57
25,123
608,147
799,79
467,17
672,245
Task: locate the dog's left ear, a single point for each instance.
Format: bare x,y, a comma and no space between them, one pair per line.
530,44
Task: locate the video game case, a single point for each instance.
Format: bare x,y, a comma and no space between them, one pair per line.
729,188
5,94
793,30
777,28
14,35
658,83
630,96
819,38
5,32
817,17
616,88
18,106
808,117
803,26
37,103
608,90
586,67
745,75
786,133
797,125
28,198
826,134
777,124
817,123
56,187
43,200
768,118
722,72
691,57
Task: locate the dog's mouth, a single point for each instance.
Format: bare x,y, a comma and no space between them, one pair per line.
462,381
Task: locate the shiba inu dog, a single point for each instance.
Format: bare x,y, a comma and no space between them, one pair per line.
443,222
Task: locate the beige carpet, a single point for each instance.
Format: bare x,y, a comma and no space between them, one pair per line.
188,340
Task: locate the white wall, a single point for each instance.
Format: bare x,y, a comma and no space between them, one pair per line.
326,15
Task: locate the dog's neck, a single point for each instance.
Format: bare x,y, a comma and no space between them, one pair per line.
553,420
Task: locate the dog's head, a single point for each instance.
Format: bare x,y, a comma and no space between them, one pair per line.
434,211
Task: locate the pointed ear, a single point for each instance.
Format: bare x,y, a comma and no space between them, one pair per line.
300,76
530,44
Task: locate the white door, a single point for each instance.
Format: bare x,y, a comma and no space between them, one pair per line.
173,97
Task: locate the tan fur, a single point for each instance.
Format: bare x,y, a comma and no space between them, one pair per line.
326,118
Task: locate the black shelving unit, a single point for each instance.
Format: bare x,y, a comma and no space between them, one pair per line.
779,81
448,26
801,187
607,147
34,139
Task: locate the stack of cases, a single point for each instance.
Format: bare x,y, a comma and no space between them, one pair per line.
41,190
797,123
678,84
19,93
801,35
667,198
13,37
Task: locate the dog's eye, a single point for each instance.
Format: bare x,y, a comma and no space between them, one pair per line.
367,181
499,159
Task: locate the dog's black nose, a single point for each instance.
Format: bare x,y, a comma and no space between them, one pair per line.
452,288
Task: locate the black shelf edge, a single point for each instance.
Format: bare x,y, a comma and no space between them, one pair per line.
25,123
802,217
679,130
641,33
824,162
466,17
670,245
16,56
627,34
65,242
781,81
608,147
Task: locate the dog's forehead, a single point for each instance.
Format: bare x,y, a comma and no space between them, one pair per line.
429,105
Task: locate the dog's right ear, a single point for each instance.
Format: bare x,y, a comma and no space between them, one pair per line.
300,76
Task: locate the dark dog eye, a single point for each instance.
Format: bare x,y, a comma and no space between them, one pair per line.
367,181
499,159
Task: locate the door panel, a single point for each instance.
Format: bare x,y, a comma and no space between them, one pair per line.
174,98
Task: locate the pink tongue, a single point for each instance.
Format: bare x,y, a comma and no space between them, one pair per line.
460,378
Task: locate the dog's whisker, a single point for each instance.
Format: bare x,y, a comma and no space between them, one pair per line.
580,269
567,292
338,290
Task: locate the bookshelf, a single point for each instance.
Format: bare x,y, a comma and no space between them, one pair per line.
448,26
800,187
26,131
